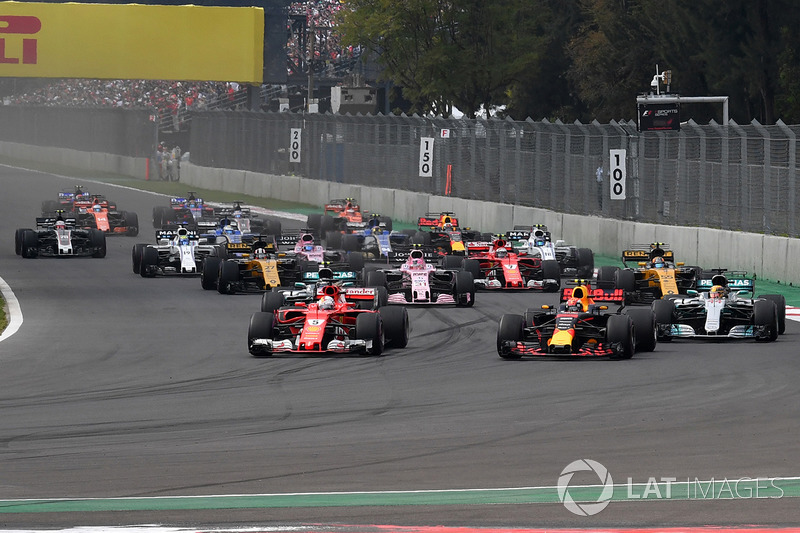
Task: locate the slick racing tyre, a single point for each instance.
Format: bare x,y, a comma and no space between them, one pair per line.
780,303
29,246
210,273
369,327
511,328
663,311
136,255
765,313
619,330
262,326
395,326
644,328
98,242
149,262
464,289
228,277
271,301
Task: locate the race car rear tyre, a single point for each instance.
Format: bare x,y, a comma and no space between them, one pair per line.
158,216
511,328
333,240
625,280
18,239
29,248
619,330
273,227
395,326
585,258
228,276
356,261
464,289
136,256
98,242
473,266
314,221
421,237
132,224
644,328
375,278
381,298
327,223
149,262
606,276
272,301
452,262
663,311
765,313
780,303
210,273
552,270
369,327
262,326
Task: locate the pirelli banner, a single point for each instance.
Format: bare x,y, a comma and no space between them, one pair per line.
131,41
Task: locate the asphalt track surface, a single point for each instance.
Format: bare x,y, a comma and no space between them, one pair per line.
117,386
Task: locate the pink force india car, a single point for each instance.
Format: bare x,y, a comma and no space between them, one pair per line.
417,281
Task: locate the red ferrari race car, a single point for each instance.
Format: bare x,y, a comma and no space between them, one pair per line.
334,323
578,327
495,265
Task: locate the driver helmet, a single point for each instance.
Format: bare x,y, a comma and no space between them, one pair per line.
308,247
183,236
658,262
97,207
417,262
448,226
60,224
539,241
228,230
260,253
717,292
501,252
574,305
326,303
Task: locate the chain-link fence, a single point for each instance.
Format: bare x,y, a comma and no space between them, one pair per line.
730,177
735,177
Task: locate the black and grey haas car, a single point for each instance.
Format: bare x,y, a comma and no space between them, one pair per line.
58,237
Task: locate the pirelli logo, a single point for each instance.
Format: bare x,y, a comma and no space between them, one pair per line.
11,28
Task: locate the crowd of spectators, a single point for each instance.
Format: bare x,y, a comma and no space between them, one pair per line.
175,99
328,50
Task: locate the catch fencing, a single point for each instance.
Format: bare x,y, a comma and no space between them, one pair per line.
734,177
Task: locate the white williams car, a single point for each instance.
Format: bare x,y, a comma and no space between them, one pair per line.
178,251
536,241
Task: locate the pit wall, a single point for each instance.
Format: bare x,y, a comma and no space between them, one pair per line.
766,256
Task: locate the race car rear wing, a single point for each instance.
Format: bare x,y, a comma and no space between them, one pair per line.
170,234
352,293
597,294
49,222
641,253
435,220
737,280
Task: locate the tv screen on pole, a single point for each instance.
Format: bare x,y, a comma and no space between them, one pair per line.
659,117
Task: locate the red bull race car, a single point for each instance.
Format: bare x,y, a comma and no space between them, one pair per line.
580,326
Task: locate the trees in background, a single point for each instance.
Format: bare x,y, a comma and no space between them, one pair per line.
584,59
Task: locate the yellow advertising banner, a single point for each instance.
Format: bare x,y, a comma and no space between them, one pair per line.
131,41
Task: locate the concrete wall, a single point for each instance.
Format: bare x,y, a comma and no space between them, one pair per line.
770,257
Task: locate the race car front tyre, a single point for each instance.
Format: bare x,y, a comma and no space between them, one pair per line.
271,301
132,224
663,311
585,258
619,331
421,237
374,278
349,243
644,328
136,256
149,263
510,329
210,273
98,242
314,221
228,276
18,239
356,260
333,240
369,327
262,326
552,270
464,289
395,326
765,314
606,276
29,248
273,227
780,303
625,280
452,262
